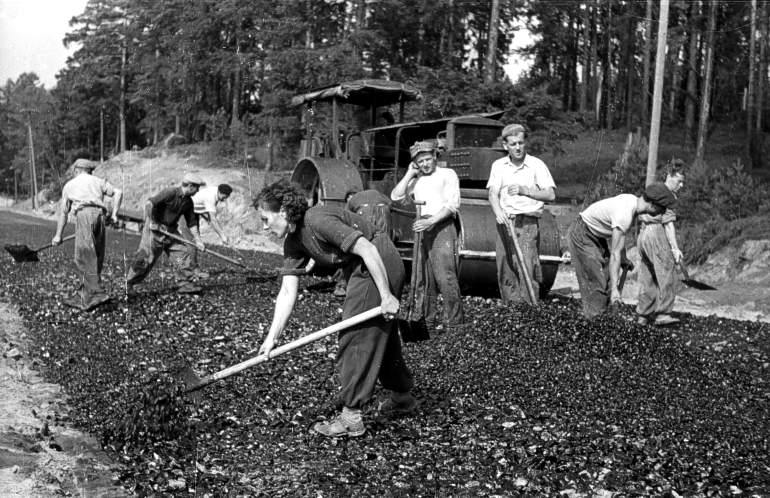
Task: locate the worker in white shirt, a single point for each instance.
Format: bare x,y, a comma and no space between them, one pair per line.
205,204
439,189
519,184
84,196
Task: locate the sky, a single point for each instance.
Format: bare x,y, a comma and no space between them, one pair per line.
31,34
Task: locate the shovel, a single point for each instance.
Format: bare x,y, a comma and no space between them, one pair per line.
520,259
412,330
693,283
194,383
22,253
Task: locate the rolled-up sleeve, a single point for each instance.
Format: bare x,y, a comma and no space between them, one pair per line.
294,259
332,230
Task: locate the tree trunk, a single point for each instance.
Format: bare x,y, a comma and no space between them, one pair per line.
628,63
309,30
676,78
700,147
491,64
235,110
596,80
608,70
421,34
645,106
586,53
763,64
692,75
752,69
122,101
657,96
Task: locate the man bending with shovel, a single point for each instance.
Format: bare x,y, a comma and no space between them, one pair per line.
162,213
84,197
337,238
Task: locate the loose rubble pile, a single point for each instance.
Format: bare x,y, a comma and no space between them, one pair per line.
532,401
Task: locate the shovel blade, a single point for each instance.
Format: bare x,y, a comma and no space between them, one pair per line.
21,253
413,330
190,379
697,285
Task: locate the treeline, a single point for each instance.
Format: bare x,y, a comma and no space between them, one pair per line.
224,70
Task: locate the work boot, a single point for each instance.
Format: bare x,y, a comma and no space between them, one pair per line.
75,301
340,290
665,319
398,404
348,423
197,273
188,288
96,301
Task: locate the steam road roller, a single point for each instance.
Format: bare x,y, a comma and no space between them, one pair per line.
353,141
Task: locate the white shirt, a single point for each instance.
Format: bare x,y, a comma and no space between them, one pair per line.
441,189
614,212
205,200
87,190
532,173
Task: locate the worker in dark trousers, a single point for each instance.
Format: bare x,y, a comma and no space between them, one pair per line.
338,238
439,190
659,254
519,186
162,212
84,197
597,240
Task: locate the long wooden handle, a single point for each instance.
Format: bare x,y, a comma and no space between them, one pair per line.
520,258
209,251
416,261
65,239
289,346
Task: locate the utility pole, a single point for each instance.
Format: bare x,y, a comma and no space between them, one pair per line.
657,95
32,172
101,134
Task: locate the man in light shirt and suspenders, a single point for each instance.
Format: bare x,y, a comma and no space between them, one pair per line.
84,197
439,189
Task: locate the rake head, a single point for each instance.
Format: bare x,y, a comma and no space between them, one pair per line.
21,253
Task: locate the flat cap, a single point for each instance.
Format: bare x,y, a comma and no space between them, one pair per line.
85,164
659,194
513,129
192,179
422,146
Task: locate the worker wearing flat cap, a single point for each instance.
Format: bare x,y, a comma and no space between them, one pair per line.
162,213
439,190
84,196
659,254
519,186
597,241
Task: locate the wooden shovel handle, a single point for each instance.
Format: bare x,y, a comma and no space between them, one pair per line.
65,239
289,346
192,244
520,259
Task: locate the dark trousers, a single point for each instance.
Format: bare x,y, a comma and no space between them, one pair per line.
656,271
89,252
371,350
438,272
590,258
150,248
509,279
